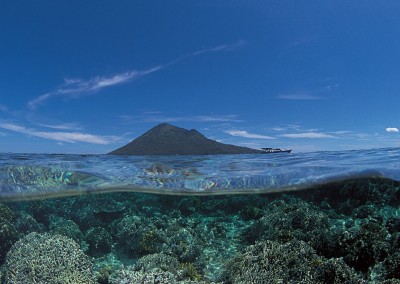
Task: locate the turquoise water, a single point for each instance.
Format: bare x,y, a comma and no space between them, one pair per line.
38,175
324,217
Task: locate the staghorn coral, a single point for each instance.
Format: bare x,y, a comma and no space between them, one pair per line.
188,270
6,215
99,240
158,269
25,224
365,247
182,243
157,260
41,210
130,275
68,228
294,219
137,236
392,266
46,258
293,262
153,268
103,274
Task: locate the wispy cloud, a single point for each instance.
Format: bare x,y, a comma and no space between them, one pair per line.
392,129
245,134
299,96
289,127
217,118
62,126
342,132
311,135
76,88
157,117
70,137
222,47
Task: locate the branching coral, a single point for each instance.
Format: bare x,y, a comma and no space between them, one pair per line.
8,232
293,262
46,258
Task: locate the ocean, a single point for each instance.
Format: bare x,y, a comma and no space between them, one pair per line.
322,217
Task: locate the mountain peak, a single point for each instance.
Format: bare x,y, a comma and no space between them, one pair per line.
167,139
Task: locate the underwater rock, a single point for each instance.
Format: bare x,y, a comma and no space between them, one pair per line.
47,258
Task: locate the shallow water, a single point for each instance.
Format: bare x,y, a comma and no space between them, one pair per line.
326,217
24,176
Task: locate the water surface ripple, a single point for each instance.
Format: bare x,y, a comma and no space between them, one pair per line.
28,176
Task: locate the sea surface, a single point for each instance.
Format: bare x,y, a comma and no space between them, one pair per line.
322,217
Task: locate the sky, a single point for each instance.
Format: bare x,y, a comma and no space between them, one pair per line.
90,76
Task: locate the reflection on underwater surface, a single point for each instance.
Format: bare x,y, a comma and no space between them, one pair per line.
28,176
343,230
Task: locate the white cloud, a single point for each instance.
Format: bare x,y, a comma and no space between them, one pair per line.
279,129
312,135
289,127
392,129
342,132
245,134
62,126
75,88
70,137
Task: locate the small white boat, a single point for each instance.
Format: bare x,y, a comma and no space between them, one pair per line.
275,150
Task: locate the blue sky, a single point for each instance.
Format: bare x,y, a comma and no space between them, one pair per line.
89,76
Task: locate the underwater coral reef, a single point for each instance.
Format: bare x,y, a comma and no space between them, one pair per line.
346,232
